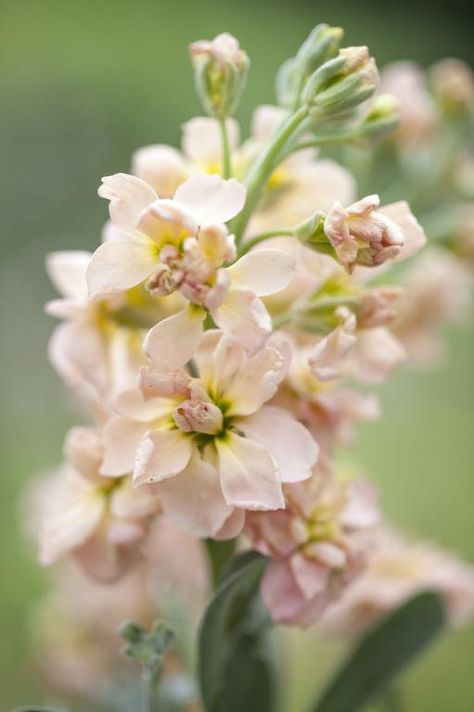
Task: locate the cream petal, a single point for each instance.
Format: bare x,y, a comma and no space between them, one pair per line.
132,404
232,526
289,442
161,454
249,478
414,235
211,199
121,437
255,383
163,167
245,317
173,341
128,196
70,526
67,272
119,265
263,271
78,353
376,353
202,140
194,499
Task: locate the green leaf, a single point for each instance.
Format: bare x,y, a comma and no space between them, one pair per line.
383,653
235,661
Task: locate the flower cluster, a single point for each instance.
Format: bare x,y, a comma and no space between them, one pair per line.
218,334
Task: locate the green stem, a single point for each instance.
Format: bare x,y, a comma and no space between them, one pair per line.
252,241
329,140
262,168
226,151
148,685
219,553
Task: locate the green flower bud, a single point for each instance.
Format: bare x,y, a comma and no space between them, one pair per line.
220,73
341,84
382,118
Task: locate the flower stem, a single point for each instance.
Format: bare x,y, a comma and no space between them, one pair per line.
148,698
252,241
262,168
226,150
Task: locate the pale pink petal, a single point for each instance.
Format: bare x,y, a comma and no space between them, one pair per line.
66,308
414,235
121,437
285,600
70,526
289,442
173,341
361,510
266,119
134,502
249,478
194,498
263,271
162,167
210,199
255,383
245,317
132,404
375,355
119,265
78,352
161,454
128,196
67,272
202,141
310,576
327,359
232,526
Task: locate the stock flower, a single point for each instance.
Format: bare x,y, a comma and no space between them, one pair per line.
397,570
406,82
97,348
100,521
366,354
181,244
363,235
316,545
210,442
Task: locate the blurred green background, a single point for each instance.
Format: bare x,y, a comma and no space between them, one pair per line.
83,84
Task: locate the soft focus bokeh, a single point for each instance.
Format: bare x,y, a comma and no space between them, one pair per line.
85,83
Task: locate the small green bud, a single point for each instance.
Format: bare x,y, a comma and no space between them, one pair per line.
341,84
321,45
311,229
220,73
382,118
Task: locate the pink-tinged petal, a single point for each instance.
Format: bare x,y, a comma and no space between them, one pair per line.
244,316
202,140
328,357
263,271
266,119
271,533
135,406
78,353
65,308
210,199
362,508
106,561
161,454
414,235
128,196
119,265
285,600
162,167
255,383
194,499
310,576
121,437
375,355
70,526
67,272
173,341
248,475
134,503
232,526
289,442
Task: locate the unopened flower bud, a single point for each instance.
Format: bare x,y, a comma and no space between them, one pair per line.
310,229
220,72
321,44
382,118
341,84
198,417
453,84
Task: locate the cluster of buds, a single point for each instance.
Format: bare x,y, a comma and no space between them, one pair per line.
217,335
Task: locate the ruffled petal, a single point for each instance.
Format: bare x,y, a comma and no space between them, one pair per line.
255,383
244,316
119,265
128,196
161,454
210,199
289,442
173,341
248,475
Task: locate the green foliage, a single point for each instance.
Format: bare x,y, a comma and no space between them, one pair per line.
147,648
383,653
235,667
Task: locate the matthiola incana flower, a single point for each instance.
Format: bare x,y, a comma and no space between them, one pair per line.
210,442
102,521
316,545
